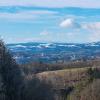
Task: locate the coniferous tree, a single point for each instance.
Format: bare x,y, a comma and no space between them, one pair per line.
12,80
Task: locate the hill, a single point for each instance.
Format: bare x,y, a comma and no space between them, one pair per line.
54,52
74,84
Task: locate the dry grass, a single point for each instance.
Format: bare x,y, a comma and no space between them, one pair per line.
63,78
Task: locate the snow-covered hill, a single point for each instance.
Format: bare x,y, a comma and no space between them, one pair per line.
54,52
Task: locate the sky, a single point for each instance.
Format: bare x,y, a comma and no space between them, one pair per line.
68,21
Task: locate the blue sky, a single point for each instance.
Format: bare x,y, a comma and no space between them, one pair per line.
50,21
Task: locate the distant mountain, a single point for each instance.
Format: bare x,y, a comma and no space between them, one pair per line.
54,52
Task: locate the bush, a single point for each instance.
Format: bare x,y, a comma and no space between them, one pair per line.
38,90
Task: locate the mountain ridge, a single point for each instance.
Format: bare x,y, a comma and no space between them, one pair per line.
54,52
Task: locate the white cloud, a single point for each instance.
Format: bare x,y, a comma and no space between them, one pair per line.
53,3
69,23
94,29
91,28
94,26
44,33
93,37
25,15
20,15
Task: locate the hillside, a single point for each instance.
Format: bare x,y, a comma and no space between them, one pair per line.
63,78
54,52
80,81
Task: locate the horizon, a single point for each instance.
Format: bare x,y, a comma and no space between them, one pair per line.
51,43
59,21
